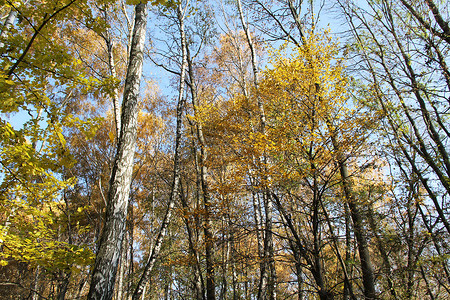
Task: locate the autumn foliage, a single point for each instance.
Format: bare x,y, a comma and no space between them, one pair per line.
274,158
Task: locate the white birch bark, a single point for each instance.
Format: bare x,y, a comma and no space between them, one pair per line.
176,168
123,262
34,290
108,254
115,92
8,23
10,19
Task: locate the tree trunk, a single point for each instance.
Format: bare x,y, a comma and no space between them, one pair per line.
384,254
199,283
123,262
35,284
108,37
116,104
347,285
209,242
176,169
266,287
7,25
368,275
360,234
300,251
108,254
63,285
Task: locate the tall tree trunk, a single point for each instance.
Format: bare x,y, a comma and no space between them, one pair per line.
108,254
258,223
116,102
233,265
209,240
301,252
199,283
316,246
384,255
360,234
347,285
130,271
108,37
268,275
368,275
176,168
209,246
65,275
348,288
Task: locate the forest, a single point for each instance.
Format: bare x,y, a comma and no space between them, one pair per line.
224,149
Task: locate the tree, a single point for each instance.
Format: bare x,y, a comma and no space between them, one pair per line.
176,163
302,123
37,81
109,250
269,162
406,80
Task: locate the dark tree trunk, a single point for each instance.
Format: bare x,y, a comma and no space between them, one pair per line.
63,285
360,234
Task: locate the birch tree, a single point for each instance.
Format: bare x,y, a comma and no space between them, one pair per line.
153,255
109,249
